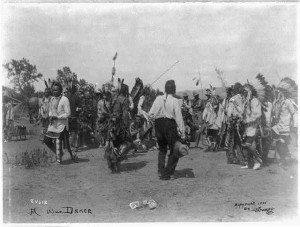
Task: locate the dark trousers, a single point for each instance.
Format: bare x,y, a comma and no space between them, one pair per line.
252,154
282,146
266,144
166,134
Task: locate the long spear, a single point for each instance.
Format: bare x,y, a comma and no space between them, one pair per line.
165,72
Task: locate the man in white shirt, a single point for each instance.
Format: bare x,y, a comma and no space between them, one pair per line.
168,122
252,117
59,111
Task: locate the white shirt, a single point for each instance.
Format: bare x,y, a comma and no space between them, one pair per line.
287,113
62,112
252,116
166,106
140,108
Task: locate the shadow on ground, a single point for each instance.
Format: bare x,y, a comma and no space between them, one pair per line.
184,173
69,161
127,167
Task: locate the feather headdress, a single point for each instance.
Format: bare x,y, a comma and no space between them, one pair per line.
48,84
260,85
288,88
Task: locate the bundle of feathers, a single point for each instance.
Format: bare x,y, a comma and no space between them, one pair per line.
262,89
288,88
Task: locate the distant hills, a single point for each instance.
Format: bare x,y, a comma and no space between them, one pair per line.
219,91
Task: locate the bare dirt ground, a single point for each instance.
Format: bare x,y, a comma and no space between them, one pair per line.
206,189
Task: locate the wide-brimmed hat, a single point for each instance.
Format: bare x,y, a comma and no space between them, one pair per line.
195,93
181,149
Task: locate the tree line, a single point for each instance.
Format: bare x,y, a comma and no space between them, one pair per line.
23,74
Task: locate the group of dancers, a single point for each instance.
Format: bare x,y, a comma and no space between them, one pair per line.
245,123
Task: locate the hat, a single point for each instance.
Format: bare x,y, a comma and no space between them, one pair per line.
181,149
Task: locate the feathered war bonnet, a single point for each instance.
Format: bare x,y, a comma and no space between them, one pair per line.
260,89
288,88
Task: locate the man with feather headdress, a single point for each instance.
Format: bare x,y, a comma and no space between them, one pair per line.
210,115
284,115
234,114
119,141
103,114
255,100
197,107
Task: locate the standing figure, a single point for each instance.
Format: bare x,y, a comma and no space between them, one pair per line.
44,111
58,131
103,115
284,116
223,118
75,107
187,111
87,118
265,130
197,107
143,107
234,130
252,117
119,142
210,120
168,122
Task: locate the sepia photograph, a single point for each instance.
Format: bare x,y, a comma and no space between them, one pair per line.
148,112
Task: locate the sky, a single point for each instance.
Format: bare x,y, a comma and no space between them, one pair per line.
240,39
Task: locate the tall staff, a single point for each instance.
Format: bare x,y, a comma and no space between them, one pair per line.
114,67
164,72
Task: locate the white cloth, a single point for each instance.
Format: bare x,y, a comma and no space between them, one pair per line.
140,108
210,117
222,117
287,113
236,106
140,105
268,112
166,106
252,116
60,108
131,104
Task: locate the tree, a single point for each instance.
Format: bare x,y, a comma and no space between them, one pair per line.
83,83
66,76
28,90
22,74
39,94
